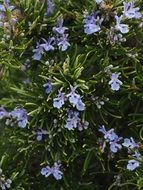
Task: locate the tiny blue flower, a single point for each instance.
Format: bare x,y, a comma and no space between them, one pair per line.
130,11
75,99
130,143
80,106
92,24
136,155
50,7
73,120
46,171
123,28
38,52
48,45
59,101
48,87
60,29
115,82
22,123
3,113
132,165
108,135
54,170
21,116
111,137
73,96
127,142
114,145
63,43
2,8
7,6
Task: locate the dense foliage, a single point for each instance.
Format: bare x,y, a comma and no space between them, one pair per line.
71,79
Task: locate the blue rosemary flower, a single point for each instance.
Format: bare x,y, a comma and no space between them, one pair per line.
80,106
92,23
75,99
115,82
132,165
72,120
60,29
48,45
111,137
123,28
108,135
48,87
63,43
73,96
59,101
130,11
38,52
3,113
6,6
21,116
114,145
130,143
50,7
54,170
